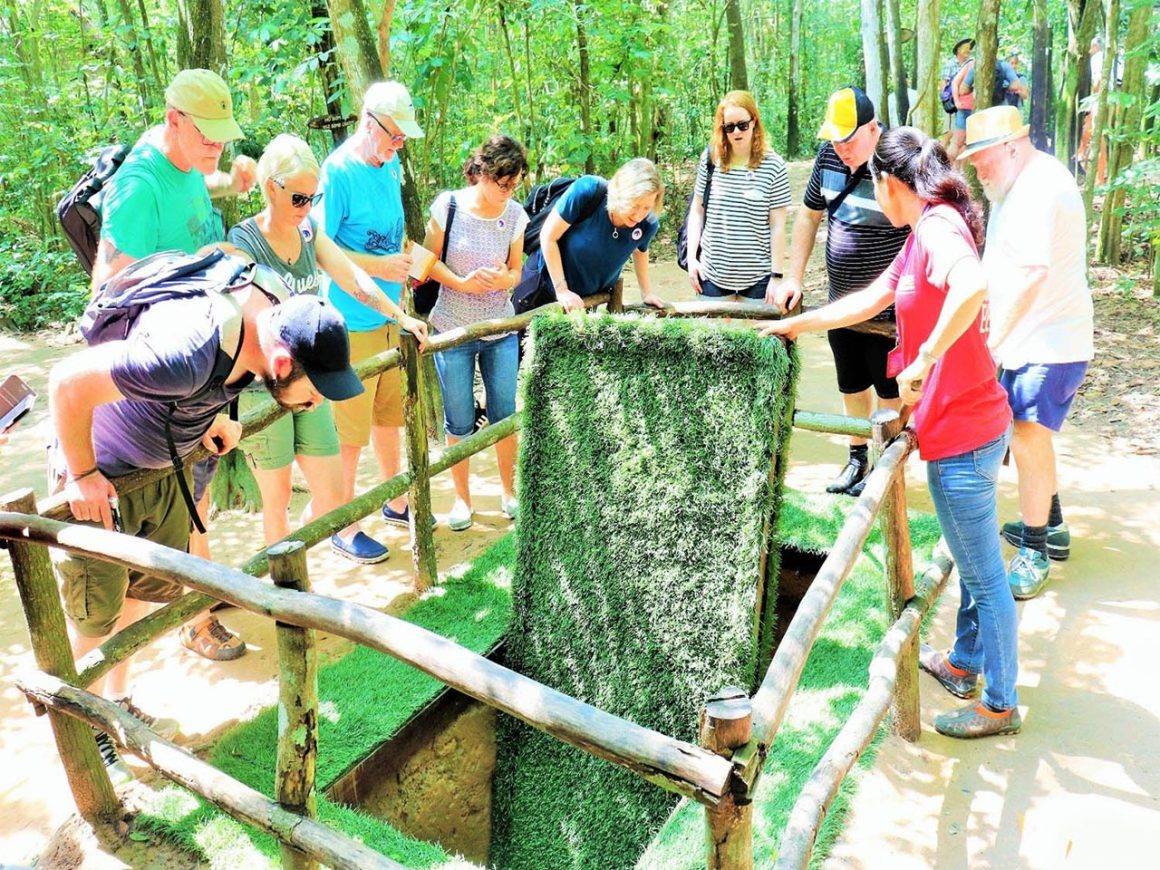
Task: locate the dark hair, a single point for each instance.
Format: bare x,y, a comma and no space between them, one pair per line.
498,157
922,164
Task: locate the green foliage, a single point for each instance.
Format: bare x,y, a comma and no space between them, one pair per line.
39,286
646,494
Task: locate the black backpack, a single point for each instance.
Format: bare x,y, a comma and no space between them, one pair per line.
79,210
541,198
683,232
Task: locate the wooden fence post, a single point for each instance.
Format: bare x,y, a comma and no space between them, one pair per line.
899,578
297,702
726,725
91,787
616,297
422,522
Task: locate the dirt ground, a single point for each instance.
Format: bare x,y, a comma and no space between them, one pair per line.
1080,787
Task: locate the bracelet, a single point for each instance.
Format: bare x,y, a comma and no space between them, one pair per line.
84,474
778,275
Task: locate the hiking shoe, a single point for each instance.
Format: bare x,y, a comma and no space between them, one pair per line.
164,728
509,506
213,641
854,472
960,683
856,490
397,518
115,765
977,720
1027,573
1058,539
460,518
362,548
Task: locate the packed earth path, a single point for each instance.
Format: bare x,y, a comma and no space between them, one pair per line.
1079,787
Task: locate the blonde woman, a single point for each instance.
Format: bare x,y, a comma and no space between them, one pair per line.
737,238
593,230
286,238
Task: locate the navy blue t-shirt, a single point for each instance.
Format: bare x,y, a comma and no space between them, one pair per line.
592,249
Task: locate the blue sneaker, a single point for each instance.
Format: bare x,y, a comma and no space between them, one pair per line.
397,518
1027,573
361,548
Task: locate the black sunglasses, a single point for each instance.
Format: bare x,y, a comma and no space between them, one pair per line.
299,200
736,125
395,137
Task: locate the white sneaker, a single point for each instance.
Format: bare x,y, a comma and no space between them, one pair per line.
461,515
510,506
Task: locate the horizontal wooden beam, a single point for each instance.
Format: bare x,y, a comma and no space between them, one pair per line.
814,801
781,680
240,801
499,325
674,765
832,424
746,311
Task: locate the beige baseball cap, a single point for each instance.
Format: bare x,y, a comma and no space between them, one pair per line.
391,99
204,96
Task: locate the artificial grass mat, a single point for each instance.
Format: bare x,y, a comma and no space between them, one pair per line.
647,486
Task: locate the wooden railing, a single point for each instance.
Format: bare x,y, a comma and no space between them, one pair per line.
736,731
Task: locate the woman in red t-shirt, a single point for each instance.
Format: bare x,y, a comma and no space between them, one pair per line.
961,416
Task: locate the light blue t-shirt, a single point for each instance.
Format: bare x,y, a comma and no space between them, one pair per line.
362,210
593,250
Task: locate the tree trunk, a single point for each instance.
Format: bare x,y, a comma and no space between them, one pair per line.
1083,18
1041,39
328,73
876,88
1128,128
584,87
525,132
928,111
1100,121
986,51
133,43
201,36
159,75
885,108
738,74
897,62
385,36
792,123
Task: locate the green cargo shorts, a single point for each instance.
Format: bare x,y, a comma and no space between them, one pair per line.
309,433
94,591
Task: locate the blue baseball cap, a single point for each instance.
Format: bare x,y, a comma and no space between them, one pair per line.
315,334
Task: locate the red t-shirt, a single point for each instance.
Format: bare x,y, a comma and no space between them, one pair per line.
962,405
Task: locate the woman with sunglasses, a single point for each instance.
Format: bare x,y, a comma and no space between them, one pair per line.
482,266
961,415
737,238
286,238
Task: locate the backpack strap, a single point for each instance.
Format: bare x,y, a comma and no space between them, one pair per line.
447,228
854,181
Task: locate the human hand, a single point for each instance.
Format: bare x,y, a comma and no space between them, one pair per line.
243,174
222,436
787,328
394,267
786,295
912,379
417,328
88,498
652,299
493,278
568,300
695,275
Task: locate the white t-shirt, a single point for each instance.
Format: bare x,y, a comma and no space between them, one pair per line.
1041,223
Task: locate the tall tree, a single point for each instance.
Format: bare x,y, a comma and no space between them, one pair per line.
897,62
738,74
201,40
584,86
876,87
1083,19
928,111
986,51
328,71
793,98
1040,40
1111,44
133,44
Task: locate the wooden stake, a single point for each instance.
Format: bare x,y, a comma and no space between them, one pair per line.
418,462
616,297
727,724
87,778
899,568
297,702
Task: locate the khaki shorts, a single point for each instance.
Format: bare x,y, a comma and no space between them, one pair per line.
94,591
382,402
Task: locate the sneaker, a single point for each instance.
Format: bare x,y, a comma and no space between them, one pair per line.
856,490
510,506
1027,573
213,641
855,471
362,548
164,728
115,765
1058,539
977,720
460,518
960,683
397,518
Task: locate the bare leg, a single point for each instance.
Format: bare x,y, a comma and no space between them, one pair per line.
461,473
387,444
274,485
350,454
1034,453
505,455
858,405
324,475
117,679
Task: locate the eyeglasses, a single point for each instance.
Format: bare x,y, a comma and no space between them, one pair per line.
507,186
395,137
299,200
736,125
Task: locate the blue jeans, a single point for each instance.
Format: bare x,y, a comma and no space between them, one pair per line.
964,491
498,363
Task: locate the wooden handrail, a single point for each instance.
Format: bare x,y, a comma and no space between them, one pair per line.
499,325
672,764
746,311
813,802
777,688
240,801
832,424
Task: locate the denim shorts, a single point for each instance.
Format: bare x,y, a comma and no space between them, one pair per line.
755,291
961,118
498,363
1043,392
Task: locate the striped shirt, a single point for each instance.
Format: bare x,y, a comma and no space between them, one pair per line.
860,241
735,241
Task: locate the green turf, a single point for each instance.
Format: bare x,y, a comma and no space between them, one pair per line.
646,494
